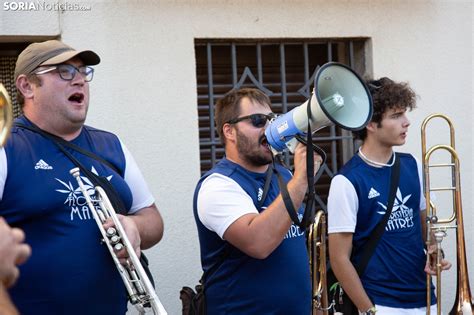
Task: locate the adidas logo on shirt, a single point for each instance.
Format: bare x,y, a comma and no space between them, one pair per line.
42,165
373,193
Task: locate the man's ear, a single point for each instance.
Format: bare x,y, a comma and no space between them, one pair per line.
372,126
228,131
24,86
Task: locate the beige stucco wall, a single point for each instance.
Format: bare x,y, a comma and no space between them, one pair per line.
145,87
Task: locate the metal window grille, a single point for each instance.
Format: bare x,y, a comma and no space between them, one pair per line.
8,55
285,71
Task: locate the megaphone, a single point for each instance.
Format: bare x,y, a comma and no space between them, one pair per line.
340,97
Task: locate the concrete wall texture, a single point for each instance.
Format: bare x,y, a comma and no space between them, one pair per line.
145,87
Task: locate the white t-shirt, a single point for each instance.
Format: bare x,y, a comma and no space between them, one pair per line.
217,214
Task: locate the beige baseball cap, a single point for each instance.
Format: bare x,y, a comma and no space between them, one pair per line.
51,52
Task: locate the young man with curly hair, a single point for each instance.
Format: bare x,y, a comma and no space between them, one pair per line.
394,281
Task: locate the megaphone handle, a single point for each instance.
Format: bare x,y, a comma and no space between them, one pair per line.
316,148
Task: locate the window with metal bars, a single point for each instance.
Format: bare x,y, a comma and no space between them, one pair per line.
8,55
284,70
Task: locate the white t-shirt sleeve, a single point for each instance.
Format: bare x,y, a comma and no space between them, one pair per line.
3,171
343,204
422,193
221,201
142,196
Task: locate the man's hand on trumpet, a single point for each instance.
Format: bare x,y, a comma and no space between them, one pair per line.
133,235
430,266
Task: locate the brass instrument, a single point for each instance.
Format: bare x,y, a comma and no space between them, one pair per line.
316,242
6,114
140,291
438,227
6,118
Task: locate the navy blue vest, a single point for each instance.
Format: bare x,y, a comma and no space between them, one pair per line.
70,271
279,284
394,276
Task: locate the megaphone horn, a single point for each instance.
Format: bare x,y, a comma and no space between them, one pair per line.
340,97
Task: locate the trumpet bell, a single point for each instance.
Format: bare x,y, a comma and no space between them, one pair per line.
6,114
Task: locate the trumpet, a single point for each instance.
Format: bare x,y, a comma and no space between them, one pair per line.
140,291
316,243
6,118
438,227
6,115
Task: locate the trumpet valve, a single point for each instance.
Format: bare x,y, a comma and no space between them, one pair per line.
118,247
111,231
115,239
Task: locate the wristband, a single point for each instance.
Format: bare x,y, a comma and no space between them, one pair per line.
370,311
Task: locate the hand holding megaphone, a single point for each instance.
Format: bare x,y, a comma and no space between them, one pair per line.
340,97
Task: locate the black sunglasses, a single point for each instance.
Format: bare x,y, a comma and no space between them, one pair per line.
257,120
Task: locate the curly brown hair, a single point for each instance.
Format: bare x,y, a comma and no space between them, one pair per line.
228,107
386,95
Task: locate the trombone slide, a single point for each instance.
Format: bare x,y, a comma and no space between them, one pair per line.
437,227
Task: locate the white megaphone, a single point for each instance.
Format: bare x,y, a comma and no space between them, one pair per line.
340,98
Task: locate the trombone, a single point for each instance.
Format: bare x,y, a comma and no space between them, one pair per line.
140,291
437,227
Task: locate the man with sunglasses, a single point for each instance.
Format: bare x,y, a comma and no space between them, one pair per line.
254,259
70,271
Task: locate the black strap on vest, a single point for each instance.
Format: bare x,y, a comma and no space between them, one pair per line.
61,141
96,180
371,244
309,212
266,187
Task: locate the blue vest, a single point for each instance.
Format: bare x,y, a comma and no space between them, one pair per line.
279,284
394,276
70,271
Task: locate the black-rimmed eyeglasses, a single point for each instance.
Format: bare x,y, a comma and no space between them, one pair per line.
68,72
257,120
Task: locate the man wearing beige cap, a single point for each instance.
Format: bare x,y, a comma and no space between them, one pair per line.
70,271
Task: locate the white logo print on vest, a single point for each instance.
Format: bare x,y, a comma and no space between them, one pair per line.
401,216
75,200
373,193
42,165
